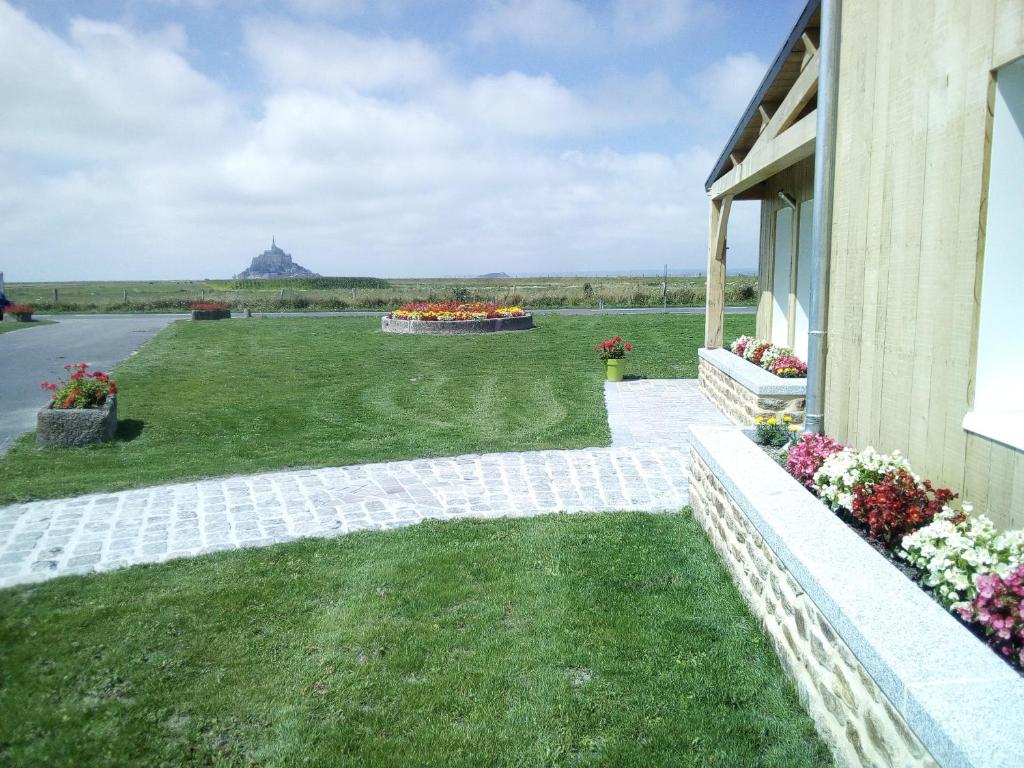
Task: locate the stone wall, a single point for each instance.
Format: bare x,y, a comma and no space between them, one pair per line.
851,713
741,404
455,327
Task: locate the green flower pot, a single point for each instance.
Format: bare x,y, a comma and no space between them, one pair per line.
615,368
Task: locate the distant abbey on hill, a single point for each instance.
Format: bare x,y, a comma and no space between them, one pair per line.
275,263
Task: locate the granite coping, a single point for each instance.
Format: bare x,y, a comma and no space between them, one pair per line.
456,327
965,704
753,377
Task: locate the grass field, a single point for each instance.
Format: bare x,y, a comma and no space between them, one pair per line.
614,640
9,325
207,399
273,295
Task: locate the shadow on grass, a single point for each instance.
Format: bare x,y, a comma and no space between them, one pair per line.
129,429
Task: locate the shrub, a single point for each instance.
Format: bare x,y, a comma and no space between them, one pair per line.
897,504
806,456
955,548
83,389
613,349
773,431
999,610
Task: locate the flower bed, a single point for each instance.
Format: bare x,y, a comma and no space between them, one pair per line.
743,390
779,361
22,313
453,317
210,310
967,566
82,409
887,674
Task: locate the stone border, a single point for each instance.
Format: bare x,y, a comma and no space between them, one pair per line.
211,314
74,427
881,667
743,391
453,327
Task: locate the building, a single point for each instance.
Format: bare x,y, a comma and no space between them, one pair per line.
921,167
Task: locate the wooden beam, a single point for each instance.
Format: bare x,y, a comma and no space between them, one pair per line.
803,90
735,158
765,117
787,148
714,313
810,40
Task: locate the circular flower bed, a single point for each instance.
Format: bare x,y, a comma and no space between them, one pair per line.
453,317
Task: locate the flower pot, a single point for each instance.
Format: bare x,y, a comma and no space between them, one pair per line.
615,368
72,427
211,314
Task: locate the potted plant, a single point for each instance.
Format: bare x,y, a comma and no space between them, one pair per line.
22,313
210,310
613,352
82,409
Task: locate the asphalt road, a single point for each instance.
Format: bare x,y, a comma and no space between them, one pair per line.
31,355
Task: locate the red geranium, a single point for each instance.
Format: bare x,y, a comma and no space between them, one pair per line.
82,389
18,309
209,305
613,349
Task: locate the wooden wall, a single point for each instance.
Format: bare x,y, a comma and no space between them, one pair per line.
797,180
914,94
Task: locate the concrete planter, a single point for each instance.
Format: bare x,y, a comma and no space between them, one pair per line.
888,676
211,314
73,427
454,327
743,391
20,317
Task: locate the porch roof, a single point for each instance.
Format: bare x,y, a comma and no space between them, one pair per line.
800,47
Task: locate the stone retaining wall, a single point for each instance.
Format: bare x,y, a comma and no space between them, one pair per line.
851,714
452,327
743,402
889,676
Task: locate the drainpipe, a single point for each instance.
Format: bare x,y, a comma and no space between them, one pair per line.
821,223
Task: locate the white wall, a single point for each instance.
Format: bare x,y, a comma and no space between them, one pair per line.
781,276
1000,372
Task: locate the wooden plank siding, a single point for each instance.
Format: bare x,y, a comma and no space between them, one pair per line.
914,89
797,180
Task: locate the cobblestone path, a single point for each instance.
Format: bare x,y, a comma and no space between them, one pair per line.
645,469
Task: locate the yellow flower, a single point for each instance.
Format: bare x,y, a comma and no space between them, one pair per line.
759,420
787,418
794,427
773,421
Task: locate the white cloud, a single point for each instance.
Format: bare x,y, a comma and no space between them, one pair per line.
728,85
333,60
534,22
649,21
123,161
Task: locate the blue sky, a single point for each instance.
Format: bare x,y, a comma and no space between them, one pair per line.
171,138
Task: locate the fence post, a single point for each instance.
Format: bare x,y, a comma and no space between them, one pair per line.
56,296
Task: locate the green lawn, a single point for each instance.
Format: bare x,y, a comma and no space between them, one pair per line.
207,399
10,325
611,640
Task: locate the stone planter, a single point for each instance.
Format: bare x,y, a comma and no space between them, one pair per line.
743,391
888,676
211,314
454,327
73,427
20,317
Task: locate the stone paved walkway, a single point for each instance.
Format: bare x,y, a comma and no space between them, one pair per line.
645,469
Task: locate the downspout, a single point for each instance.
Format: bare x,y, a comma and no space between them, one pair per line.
821,223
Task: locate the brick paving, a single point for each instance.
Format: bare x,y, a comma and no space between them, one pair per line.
645,469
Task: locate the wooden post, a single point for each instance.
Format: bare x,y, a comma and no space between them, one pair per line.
56,296
124,297
714,313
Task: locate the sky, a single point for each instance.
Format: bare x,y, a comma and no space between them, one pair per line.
171,139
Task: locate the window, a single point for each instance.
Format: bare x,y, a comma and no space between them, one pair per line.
998,402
